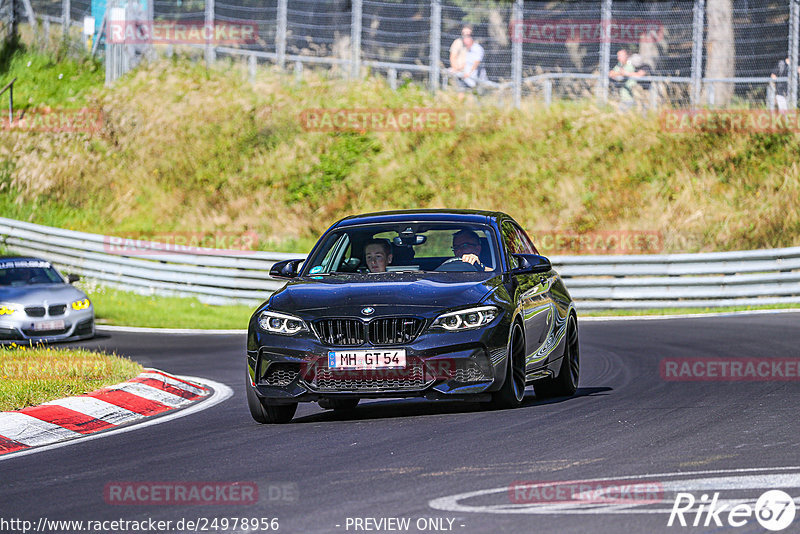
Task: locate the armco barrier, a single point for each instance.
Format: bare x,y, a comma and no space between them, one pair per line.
715,279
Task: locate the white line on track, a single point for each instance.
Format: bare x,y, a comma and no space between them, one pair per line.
148,330
220,394
684,316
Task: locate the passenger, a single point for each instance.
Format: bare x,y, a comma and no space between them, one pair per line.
378,253
467,248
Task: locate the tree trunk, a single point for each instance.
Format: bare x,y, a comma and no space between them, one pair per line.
720,50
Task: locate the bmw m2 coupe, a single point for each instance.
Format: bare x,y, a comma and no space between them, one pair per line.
441,304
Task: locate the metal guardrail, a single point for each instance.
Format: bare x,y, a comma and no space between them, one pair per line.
715,279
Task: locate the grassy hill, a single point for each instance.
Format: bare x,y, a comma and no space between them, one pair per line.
188,149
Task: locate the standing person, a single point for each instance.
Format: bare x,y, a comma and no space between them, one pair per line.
621,75
781,70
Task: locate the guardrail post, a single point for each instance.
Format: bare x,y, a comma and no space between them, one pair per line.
605,49
392,76
251,67
298,71
653,94
698,22
280,34
770,96
711,97
355,39
794,44
65,18
548,91
435,43
211,53
517,14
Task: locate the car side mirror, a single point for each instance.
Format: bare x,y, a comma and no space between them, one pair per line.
285,269
531,264
72,278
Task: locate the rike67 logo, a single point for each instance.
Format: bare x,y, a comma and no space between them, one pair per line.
774,510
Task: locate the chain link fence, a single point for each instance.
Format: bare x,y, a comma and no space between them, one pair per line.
684,53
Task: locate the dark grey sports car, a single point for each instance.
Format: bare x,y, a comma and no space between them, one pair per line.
450,304
38,305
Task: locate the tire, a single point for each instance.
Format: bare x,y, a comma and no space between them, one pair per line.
566,383
338,405
513,391
263,412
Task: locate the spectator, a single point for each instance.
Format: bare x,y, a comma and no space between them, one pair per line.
457,51
465,61
641,69
621,76
378,253
781,70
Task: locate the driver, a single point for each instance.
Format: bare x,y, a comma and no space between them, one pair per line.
378,253
467,248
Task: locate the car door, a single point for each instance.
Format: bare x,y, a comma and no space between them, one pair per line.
531,294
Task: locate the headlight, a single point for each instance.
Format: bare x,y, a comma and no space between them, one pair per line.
465,319
7,309
81,304
281,323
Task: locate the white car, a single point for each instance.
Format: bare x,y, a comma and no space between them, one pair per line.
38,305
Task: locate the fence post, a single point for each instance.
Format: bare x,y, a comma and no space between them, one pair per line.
698,22
280,34
435,43
517,14
355,39
391,75
211,53
65,18
605,49
794,44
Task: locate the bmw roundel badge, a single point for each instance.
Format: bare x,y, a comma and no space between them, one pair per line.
368,310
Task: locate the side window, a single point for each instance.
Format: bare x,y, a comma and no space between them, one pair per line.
512,243
527,244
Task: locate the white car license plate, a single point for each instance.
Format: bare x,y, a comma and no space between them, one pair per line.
49,325
367,359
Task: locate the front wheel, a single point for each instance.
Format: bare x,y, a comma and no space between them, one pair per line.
263,412
513,390
566,383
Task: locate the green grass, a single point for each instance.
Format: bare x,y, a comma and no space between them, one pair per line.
684,311
122,308
33,375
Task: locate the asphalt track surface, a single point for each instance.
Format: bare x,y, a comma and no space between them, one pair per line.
415,458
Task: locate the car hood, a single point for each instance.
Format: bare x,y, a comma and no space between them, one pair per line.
39,293
386,292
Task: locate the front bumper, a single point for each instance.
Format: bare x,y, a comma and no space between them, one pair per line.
21,329
441,365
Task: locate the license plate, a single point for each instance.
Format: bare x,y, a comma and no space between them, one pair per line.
367,359
49,325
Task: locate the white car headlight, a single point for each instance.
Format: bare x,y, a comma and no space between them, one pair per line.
81,304
281,323
465,319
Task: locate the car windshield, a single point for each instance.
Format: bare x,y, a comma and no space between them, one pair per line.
411,246
15,273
